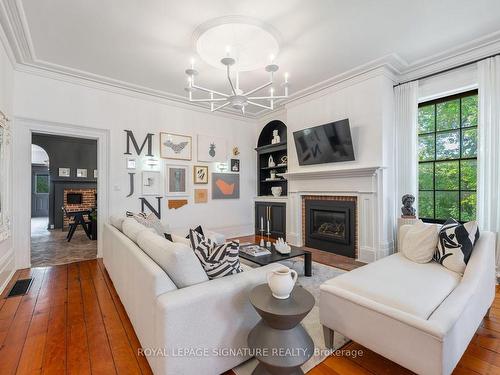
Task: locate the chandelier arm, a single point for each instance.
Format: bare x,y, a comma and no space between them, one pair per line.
230,82
267,97
209,91
258,88
259,105
219,107
209,100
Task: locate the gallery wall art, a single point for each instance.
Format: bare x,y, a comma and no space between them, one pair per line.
175,146
200,195
151,183
64,172
200,174
225,186
81,173
212,148
235,165
176,180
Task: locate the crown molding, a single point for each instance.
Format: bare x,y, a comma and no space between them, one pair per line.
16,35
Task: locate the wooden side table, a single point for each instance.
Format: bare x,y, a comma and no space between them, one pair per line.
280,342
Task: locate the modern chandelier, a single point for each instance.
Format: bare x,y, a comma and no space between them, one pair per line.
237,98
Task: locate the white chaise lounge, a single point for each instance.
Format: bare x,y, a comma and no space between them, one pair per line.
421,316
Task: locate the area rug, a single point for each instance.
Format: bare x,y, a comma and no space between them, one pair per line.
311,323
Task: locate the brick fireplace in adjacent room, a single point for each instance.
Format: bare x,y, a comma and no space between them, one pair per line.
78,200
330,223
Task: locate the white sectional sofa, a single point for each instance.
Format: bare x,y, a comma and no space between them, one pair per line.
421,316
182,319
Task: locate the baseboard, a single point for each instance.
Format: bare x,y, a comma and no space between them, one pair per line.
7,259
235,231
366,254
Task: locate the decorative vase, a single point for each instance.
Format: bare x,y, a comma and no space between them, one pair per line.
270,162
273,174
276,191
281,282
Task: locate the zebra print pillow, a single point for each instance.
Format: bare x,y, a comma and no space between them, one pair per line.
455,245
217,260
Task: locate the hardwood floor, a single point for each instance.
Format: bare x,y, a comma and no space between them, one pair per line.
72,321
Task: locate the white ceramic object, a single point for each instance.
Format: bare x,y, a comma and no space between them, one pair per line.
270,162
281,282
282,247
276,191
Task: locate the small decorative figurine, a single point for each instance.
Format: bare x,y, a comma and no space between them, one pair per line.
270,162
276,137
408,210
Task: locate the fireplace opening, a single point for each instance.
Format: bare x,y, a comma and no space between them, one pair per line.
330,225
74,198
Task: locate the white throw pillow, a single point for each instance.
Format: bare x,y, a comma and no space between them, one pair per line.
419,242
177,260
132,228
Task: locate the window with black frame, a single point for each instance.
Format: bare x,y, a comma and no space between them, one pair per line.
447,154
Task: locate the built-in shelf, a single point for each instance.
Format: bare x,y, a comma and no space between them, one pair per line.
275,167
269,149
276,180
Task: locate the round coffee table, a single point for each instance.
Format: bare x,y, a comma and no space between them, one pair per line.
280,343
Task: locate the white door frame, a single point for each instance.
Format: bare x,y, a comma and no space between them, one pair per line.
21,193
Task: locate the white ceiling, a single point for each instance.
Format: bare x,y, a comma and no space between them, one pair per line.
149,43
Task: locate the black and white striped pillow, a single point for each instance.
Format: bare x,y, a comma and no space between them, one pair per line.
217,260
455,245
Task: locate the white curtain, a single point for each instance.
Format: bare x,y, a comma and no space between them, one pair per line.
489,147
406,111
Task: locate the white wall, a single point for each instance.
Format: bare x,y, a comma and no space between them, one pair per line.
52,100
453,82
7,258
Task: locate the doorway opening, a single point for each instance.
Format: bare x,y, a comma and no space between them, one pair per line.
63,199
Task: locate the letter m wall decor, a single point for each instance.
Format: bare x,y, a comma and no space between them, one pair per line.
138,150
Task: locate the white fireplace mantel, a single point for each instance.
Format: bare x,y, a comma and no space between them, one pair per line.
336,173
368,184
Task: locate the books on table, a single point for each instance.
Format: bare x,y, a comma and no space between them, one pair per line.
255,250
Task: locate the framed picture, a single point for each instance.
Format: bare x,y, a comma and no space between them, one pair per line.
175,146
81,173
200,174
200,195
131,163
95,173
212,148
225,186
235,165
176,180
64,172
151,184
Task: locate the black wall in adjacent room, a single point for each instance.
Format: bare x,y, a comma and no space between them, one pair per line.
67,152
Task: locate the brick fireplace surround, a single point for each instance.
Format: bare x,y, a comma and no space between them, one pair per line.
88,201
331,198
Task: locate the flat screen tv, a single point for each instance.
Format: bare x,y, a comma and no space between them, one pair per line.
324,144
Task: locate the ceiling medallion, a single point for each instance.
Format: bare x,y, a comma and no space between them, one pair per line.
246,43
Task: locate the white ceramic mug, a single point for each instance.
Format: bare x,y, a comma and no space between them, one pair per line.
281,282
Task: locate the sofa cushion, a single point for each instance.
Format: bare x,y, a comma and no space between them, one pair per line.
419,242
456,242
400,283
116,221
132,228
177,260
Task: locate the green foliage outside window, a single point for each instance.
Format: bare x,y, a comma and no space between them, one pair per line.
447,152
42,183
